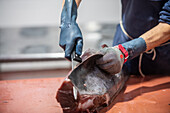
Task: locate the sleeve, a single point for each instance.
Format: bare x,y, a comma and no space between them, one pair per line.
165,13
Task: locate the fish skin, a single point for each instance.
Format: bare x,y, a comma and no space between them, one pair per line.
99,91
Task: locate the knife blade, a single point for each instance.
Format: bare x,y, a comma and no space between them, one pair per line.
75,59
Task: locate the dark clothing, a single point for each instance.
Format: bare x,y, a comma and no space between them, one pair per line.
139,16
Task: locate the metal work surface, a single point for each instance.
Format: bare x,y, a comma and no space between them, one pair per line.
148,95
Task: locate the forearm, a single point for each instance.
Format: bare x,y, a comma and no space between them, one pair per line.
157,35
153,38
77,2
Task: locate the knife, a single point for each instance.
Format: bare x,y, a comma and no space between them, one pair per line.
75,59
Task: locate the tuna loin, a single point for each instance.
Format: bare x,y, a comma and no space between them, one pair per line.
96,88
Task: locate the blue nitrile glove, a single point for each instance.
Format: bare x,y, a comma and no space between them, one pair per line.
115,57
70,35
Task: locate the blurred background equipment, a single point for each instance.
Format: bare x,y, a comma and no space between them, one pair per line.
29,35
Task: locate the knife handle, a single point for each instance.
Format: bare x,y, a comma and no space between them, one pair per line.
75,56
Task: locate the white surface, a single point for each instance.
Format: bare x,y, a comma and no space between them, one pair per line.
20,13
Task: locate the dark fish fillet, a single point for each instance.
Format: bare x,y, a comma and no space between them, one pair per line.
96,88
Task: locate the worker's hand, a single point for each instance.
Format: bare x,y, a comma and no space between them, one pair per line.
112,61
115,57
70,35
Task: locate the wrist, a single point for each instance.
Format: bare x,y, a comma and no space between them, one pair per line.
69,12
134,47
124,52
